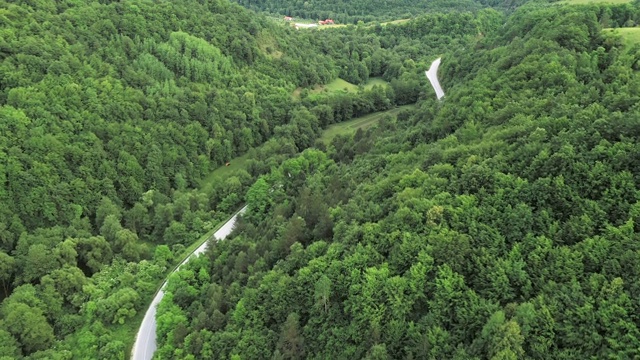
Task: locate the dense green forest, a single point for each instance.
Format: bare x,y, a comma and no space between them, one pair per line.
500,223
113,114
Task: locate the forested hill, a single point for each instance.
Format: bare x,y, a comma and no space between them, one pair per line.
113,116
125,95
500,223
110,113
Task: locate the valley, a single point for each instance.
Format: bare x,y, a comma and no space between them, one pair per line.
380,220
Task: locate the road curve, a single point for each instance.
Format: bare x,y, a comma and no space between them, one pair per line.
432,75
145,344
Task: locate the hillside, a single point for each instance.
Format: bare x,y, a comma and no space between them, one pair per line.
455,229
112,114
500,223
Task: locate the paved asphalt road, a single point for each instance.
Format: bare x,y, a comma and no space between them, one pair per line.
145,344
432,75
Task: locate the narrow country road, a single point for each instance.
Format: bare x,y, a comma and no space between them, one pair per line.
432,75
145,344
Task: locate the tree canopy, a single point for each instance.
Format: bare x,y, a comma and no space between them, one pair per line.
499,223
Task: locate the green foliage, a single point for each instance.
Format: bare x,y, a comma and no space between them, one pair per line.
258,197
111,114
28,325
498,223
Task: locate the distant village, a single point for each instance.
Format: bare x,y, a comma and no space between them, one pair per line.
301,25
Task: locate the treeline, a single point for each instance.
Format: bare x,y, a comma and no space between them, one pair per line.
500,223
351,12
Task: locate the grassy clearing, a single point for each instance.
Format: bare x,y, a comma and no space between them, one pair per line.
268,46
375,81
334,86
362,122
587,2
399,21
339,85
224,171
631,36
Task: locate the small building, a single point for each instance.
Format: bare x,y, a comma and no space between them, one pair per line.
288,18
326,22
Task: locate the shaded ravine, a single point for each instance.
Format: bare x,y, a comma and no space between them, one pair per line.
145,345
432,75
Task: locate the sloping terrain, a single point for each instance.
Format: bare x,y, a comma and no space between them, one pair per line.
500,223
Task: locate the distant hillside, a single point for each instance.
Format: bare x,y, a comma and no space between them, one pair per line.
347,11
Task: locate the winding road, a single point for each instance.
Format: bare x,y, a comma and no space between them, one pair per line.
145,344
432,75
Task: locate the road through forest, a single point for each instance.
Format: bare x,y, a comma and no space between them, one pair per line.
432,75
145,344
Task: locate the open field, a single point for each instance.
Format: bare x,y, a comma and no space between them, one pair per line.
631,36
375,81
340,85
362,122
331,26
399,21
223,171
586,2
336,85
